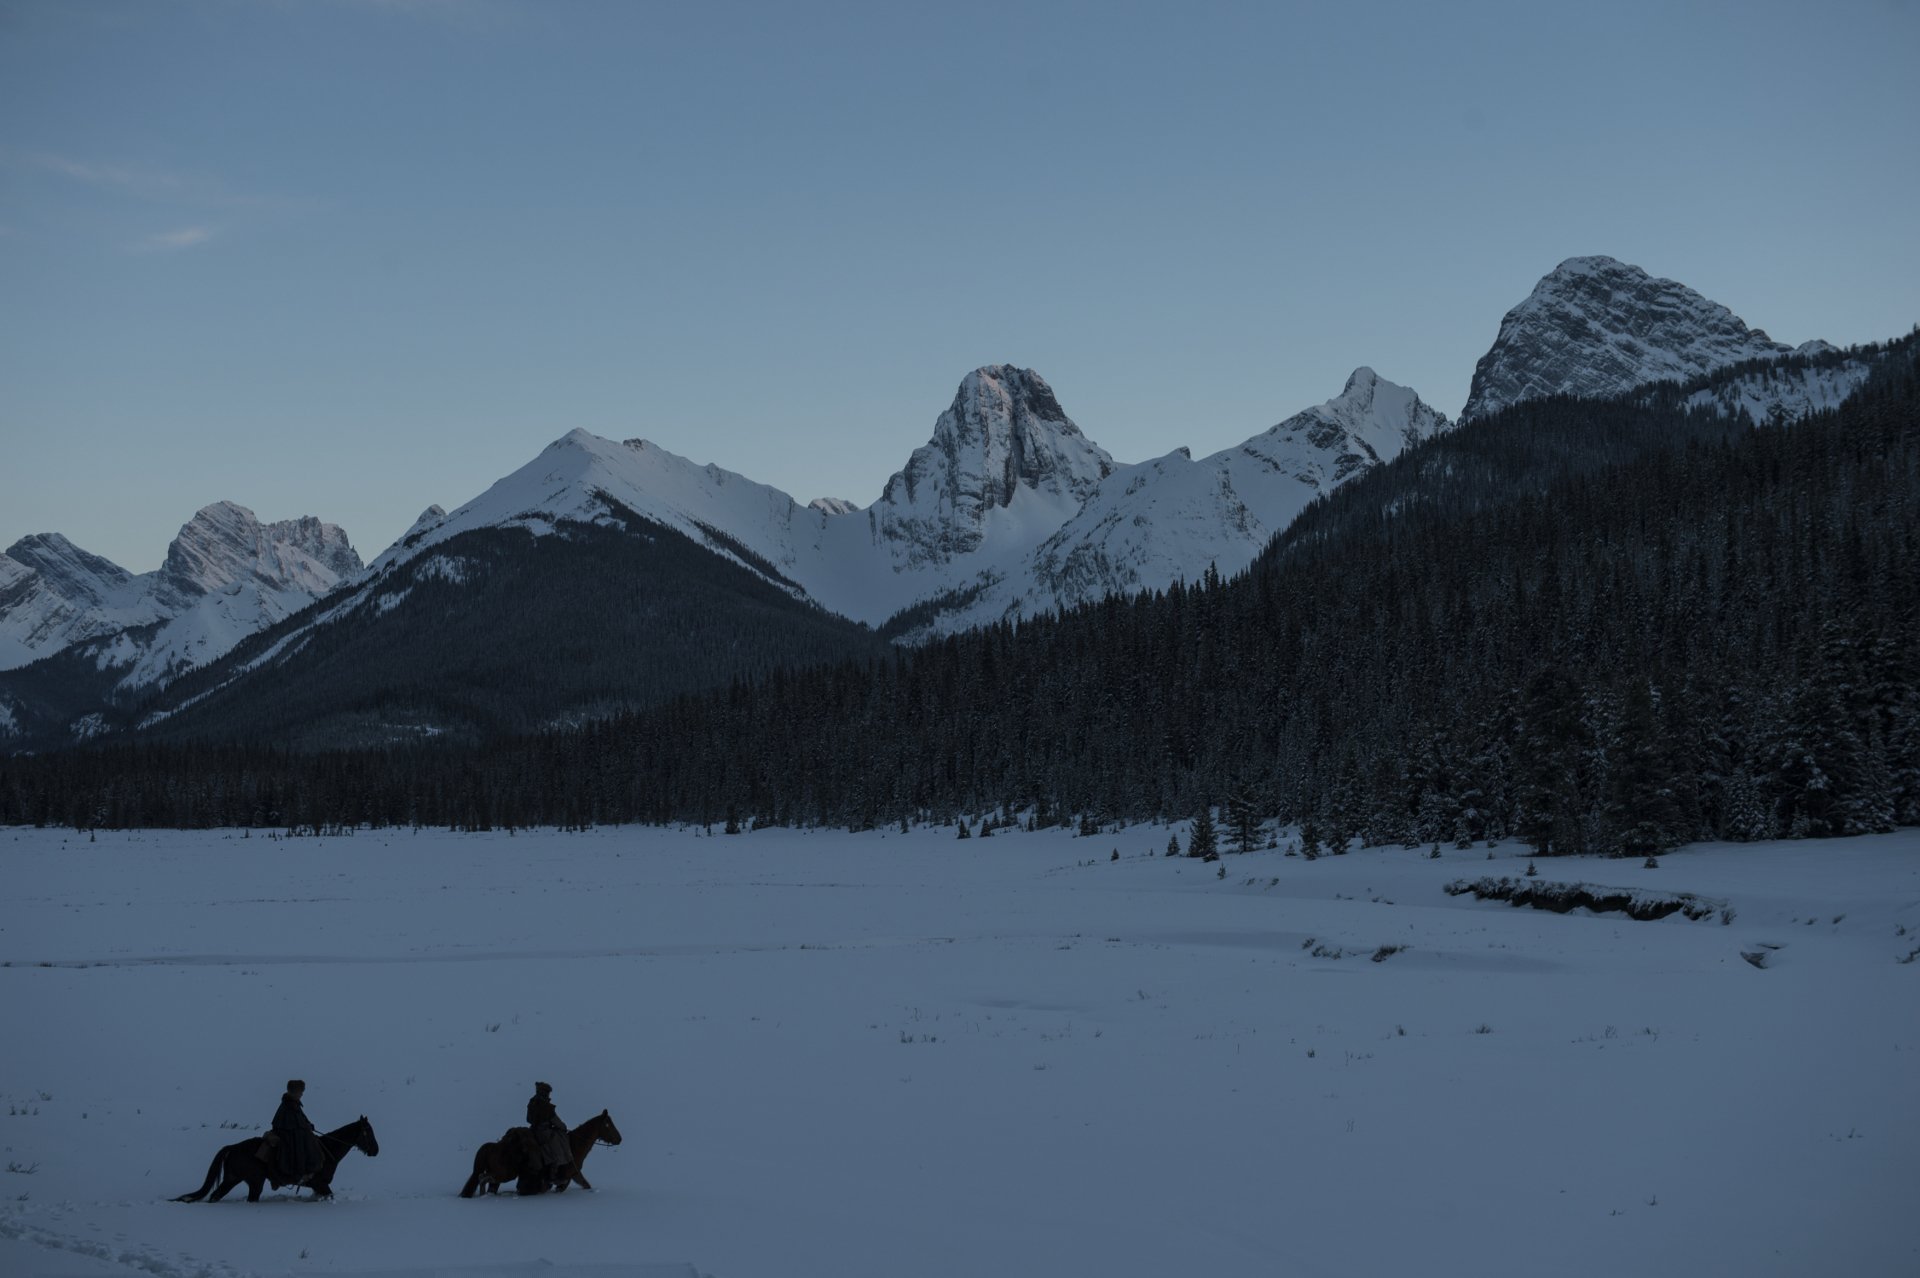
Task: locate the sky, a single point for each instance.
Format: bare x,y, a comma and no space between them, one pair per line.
347,258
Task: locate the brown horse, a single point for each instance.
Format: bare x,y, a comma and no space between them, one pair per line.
246,1161
511,1158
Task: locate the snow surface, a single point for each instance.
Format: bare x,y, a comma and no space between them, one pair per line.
906,1055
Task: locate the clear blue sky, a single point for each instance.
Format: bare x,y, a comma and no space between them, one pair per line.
349,257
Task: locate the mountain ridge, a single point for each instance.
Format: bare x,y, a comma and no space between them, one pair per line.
1009,510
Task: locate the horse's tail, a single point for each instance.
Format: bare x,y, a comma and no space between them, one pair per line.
213,1174
479,1165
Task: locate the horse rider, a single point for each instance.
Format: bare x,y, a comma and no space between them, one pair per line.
549,1136
294,1145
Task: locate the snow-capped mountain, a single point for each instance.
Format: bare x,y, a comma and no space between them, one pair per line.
1598,327
1008,509
53,593
1004,469
226,576
584,478
1005,464
1148,525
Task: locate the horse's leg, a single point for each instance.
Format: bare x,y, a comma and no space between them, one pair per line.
580,1178
482,1172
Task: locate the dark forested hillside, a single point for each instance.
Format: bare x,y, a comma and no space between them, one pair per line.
498,633
1599,626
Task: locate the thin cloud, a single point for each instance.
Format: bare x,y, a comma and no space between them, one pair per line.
147,184
173,241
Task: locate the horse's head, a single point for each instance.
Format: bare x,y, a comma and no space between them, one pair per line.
363,1138
608,1132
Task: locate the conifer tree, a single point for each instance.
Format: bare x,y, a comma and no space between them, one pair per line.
1202,840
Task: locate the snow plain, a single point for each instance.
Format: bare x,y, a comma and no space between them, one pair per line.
876,1054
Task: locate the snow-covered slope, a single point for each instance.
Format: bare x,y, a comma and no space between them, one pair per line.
1004,469
1168,519
1597,327
226,576
583,478
1008,509
1785,393
53,593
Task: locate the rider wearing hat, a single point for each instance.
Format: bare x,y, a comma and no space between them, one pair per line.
549,1136
296,1147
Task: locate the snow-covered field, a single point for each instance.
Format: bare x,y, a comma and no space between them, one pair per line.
897,1055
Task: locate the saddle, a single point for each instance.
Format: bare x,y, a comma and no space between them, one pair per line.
270,1155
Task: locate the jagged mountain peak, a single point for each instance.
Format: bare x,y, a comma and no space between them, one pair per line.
76,575
1024,391
1370,420
1162,520
226,575
1004,443
1597,326
833,506
225,545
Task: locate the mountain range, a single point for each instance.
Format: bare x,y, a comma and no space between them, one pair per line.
1009,510
226,576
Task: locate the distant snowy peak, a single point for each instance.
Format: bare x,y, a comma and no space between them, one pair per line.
225,547
1598,327
1368,422
583,478
1004,445
226,575
834,506
52,594
73,574
1149,525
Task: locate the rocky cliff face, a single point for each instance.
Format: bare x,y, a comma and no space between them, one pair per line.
224,547
1598,327
1004,454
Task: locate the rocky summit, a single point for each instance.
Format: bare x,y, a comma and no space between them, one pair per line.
1597,327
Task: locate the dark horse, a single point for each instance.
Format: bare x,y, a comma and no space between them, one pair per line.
246,1161
510,1158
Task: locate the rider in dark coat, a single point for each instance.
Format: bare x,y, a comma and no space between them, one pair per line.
297,1149
549,1135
